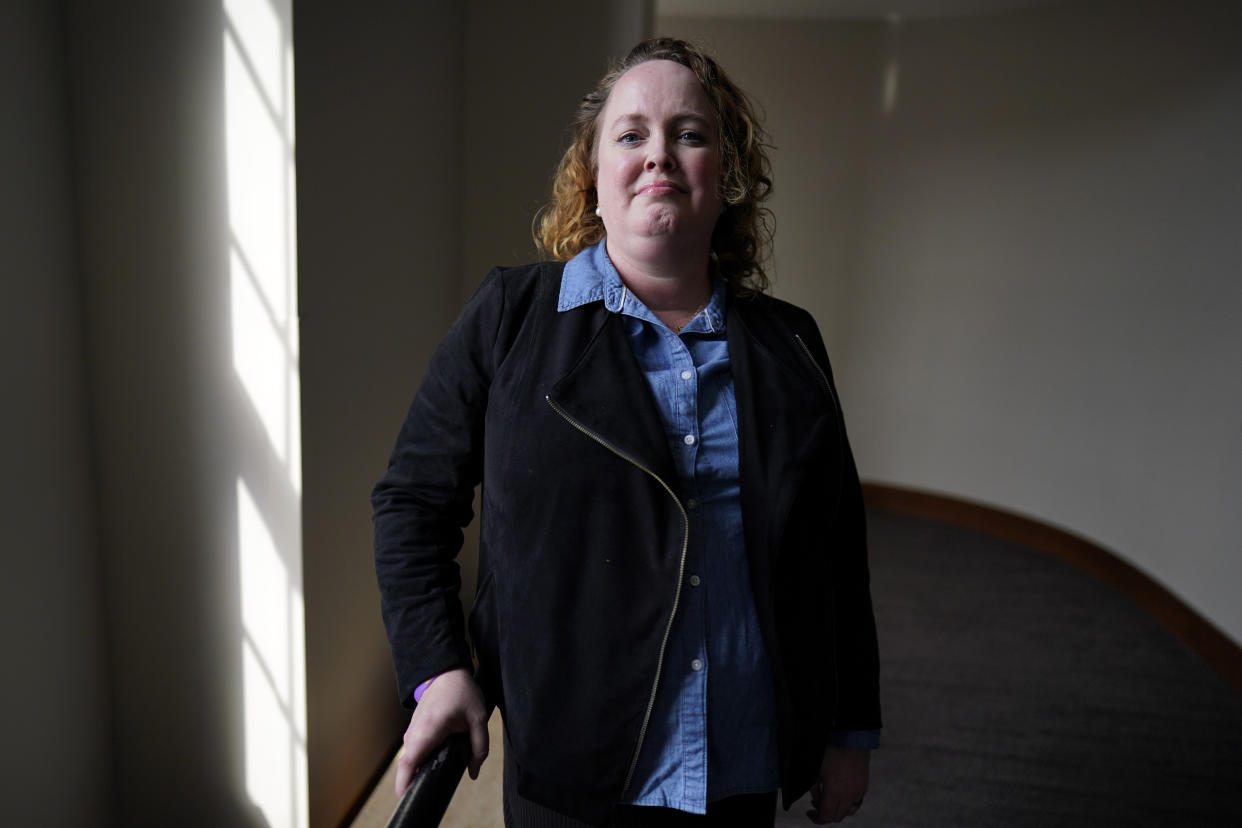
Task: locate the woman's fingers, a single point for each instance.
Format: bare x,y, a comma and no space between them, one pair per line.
452,704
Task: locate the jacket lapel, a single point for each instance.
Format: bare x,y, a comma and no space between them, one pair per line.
785,414
606,394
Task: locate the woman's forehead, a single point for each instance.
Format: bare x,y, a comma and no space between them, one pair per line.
658,85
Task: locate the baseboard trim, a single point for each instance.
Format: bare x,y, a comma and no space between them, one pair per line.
1220,652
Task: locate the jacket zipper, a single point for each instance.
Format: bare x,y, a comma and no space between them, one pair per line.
822,375
681,572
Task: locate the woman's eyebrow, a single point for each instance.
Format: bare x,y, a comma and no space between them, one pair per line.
705,120
638,117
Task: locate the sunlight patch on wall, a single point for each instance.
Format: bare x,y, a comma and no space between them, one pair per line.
258,87
272,672
262,257
261,31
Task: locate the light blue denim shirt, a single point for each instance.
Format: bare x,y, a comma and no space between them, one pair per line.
713,730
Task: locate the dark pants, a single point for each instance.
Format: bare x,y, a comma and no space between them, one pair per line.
746,811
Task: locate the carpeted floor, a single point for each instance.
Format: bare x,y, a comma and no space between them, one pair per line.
1018,691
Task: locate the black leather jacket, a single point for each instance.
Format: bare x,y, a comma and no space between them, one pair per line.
583,534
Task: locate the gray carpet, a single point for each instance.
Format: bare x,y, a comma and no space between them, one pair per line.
1019,691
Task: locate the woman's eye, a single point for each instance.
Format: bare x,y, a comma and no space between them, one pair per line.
628,138
691,137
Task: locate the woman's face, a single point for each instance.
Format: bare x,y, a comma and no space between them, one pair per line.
658,162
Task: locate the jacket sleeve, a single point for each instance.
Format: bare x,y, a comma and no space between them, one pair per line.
858,660
853,623
423,501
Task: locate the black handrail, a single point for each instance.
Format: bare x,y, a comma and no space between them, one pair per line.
425,801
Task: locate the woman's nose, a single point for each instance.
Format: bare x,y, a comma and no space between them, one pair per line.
659,159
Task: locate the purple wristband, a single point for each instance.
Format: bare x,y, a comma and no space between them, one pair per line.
422,688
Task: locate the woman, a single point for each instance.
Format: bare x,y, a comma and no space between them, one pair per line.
673,609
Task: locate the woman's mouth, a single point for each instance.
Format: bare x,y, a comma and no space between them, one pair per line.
658,188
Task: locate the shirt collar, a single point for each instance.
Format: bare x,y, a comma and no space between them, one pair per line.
591,276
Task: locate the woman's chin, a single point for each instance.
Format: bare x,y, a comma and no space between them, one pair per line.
668,223
660,231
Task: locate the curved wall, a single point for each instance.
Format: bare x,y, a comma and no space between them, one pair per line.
1035,302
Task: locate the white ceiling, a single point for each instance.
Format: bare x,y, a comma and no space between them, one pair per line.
840,9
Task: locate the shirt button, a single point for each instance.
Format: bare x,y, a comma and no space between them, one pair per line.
696,665
688,439
692,504
694,580
687,374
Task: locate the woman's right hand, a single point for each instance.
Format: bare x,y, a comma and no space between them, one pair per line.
452,704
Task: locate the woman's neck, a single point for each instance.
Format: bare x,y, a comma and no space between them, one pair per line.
674,287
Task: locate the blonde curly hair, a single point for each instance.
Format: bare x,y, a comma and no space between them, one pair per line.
742,239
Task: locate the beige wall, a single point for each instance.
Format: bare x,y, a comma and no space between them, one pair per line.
1028,270
174,431
379,183
55,692
127,670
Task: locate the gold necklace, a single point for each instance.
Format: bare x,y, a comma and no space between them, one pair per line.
697,311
